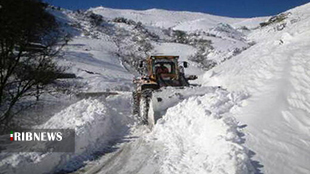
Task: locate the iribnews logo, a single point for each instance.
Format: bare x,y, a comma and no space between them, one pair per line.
36,136
38,140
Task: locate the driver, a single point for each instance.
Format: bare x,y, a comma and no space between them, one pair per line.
162,69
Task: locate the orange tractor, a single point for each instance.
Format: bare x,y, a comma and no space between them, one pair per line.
162,72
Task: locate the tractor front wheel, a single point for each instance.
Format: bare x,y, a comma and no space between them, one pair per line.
144,105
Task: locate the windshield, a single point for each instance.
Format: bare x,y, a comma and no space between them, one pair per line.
164,66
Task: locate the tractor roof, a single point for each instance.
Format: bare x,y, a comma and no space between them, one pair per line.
164,57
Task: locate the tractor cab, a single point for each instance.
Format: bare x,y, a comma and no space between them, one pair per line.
166,67
164,70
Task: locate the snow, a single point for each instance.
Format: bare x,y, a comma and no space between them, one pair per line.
251,23
277,78
167,19
200,136
197,135
250,116
222,32
95,62
97,123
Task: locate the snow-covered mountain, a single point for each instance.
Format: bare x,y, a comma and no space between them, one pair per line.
138,34
253,118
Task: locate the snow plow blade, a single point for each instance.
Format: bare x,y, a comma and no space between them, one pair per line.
164,98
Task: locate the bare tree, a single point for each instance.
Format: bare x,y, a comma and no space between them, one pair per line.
28,37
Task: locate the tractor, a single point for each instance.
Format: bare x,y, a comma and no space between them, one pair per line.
162,72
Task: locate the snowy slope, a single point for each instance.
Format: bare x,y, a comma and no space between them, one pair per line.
98,122
167,19
223,33
179,20
261,127
93,59
275,72
95,62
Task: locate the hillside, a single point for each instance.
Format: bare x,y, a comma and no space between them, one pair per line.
275,72
253,116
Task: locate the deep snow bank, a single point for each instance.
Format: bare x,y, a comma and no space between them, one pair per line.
196,135
97,123
275,72
201,136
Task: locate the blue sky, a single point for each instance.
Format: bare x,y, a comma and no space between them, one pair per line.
232,8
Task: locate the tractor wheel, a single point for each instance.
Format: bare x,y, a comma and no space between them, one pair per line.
136,101
144,105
